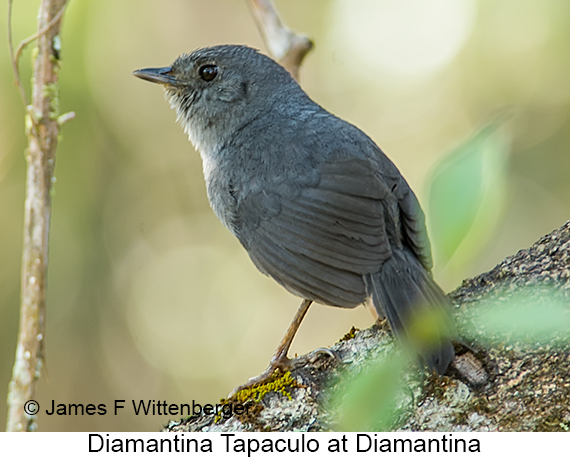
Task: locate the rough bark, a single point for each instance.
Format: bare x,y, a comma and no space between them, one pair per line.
527,387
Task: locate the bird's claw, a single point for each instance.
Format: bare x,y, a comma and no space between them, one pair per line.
283,364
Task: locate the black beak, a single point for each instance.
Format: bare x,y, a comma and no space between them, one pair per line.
157,75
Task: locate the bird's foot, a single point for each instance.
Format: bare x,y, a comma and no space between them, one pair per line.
282,364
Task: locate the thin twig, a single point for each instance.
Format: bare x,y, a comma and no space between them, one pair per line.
39,33
288,47
40,156
13,58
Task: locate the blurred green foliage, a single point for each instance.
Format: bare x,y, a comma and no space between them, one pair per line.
537,315
466,195
374,399
368,401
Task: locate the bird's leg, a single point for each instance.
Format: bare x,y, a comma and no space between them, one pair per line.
280,360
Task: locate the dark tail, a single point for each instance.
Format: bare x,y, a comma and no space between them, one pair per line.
416,308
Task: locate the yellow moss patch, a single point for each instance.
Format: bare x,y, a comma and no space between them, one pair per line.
278,382
350,335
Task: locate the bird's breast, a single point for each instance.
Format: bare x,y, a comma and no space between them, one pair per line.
218,186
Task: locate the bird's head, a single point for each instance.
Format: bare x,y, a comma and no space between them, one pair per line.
218,89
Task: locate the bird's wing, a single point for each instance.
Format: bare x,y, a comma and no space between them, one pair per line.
413,226
319,239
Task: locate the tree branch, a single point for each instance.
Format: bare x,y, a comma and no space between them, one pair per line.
287,47
527,390
42,128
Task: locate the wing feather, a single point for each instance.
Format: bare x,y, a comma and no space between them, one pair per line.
325,236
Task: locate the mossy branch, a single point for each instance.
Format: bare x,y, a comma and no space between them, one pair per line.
528,387
43,124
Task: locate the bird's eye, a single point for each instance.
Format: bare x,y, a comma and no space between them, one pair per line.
208,72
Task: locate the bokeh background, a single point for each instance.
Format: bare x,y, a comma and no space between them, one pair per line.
149,297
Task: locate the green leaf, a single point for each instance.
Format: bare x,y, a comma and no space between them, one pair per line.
533,315
368,402
466,194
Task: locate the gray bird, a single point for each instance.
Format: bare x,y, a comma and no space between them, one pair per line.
314,201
